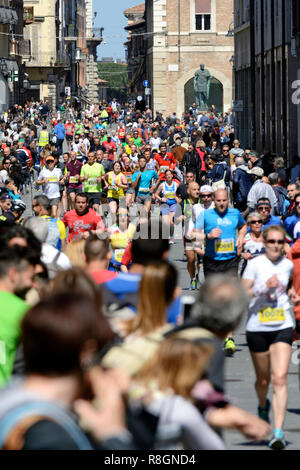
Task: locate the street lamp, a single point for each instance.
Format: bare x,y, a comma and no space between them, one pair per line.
3,66
232,60
230,33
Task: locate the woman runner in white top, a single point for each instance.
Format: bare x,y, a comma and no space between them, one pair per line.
253,245
270,326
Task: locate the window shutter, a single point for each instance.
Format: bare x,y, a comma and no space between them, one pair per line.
202,6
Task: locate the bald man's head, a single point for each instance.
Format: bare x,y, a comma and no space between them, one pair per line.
193,190
221,200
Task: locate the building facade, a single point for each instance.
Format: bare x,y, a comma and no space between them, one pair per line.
94,38
47,61
185,34
136,49
11,17
267,67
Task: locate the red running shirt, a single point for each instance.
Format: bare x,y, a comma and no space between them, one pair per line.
78,224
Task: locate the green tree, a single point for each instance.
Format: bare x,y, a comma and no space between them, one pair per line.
117,77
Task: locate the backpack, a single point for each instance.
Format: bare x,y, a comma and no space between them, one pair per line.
13,425
282,199
53,237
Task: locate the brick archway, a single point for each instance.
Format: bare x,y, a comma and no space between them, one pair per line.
226,82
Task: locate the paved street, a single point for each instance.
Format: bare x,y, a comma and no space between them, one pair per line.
240,379
239,375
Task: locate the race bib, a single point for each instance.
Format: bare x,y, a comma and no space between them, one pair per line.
224,246
92,181
129,178
170,195
73,179
272,315
119,255
113,188
163,169
144,190
53,179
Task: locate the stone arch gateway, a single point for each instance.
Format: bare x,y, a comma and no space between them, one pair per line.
182,86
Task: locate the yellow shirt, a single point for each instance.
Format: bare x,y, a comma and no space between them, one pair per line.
114,191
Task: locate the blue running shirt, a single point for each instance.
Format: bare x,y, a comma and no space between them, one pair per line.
223,248
145,181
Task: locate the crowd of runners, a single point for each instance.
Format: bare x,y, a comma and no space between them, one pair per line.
91,201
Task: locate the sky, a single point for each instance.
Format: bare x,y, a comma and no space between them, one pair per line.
110,16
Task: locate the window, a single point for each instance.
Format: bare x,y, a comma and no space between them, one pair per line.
203,15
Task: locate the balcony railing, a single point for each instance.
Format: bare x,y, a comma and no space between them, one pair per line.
94,34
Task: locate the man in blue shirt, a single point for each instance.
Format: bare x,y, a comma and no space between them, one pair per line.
60,132
264,208
141,180
222,246
220,225
291,222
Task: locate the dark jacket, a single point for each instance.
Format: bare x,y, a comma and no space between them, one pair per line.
241,185
217,173
191,162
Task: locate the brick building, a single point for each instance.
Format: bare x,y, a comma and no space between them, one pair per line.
184,34
267,66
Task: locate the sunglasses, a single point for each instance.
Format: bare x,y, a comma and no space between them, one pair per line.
256,222
297,203
205,195
274,242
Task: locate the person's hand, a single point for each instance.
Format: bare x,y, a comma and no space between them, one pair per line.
272,282
247,256
108,418
240,242
215,233
85,235
163,199
86,177
294,297
46,180
255,428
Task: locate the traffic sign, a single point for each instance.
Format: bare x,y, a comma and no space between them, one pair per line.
13,76
147,91
140,98
146,83
68,91
237,106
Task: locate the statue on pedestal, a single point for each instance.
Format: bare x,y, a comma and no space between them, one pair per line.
201,87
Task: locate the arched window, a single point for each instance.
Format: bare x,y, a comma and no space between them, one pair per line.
203,15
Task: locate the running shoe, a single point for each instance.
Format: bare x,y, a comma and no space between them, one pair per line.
193,285
229,347
263,411
277,442
171,241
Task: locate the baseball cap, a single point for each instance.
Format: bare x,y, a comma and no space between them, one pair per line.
257,171
206,189
50,159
